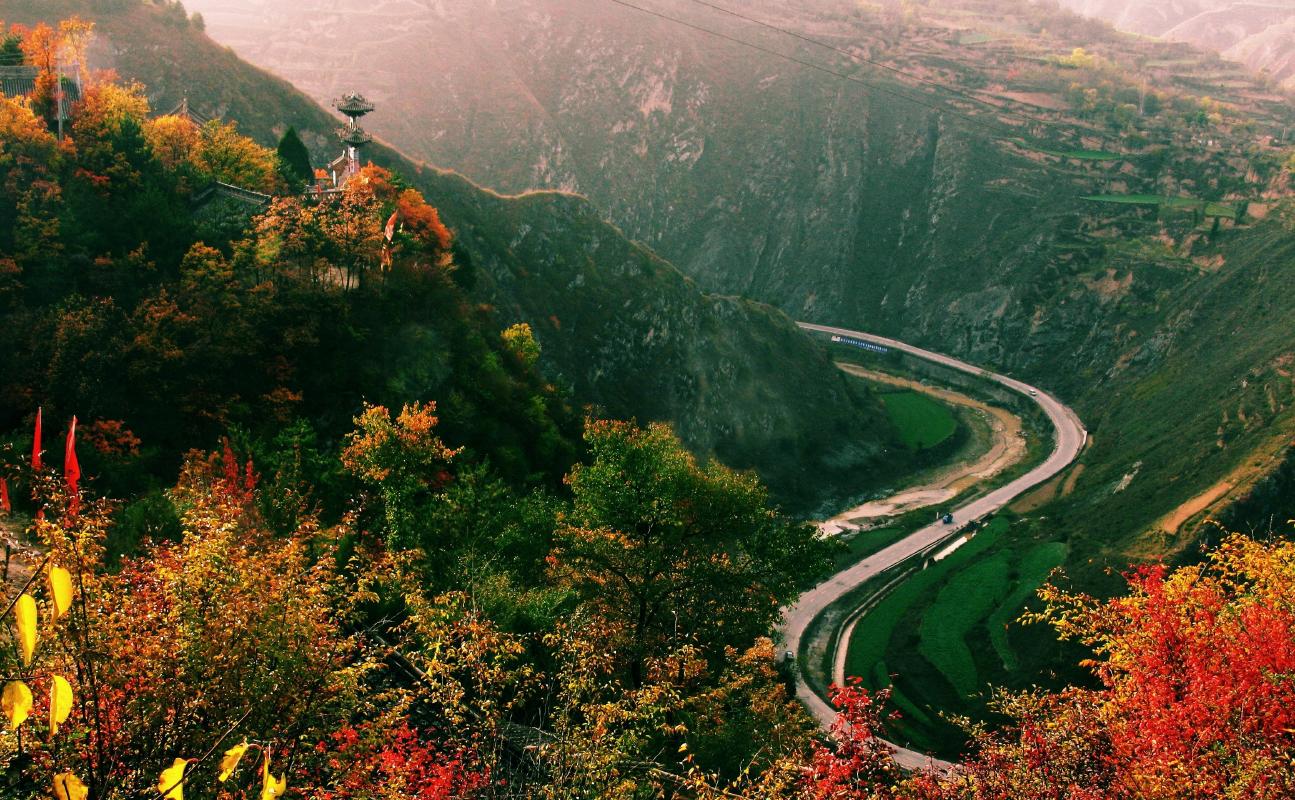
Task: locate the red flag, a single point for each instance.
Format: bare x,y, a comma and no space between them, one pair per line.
4,497
35,445
390,230
72,469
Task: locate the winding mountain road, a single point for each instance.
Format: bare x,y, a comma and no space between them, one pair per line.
1070,439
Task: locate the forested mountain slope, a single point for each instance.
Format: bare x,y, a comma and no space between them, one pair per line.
1100,214
620,327
1057,213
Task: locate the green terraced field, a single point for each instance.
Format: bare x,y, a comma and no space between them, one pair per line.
943,632
964,601
1085,155
921,421
1030,574
1210,208
872,636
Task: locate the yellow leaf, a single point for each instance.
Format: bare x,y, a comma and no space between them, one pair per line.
230,762
60,590
271,788
16,702
69,787
60,703
171,784
24,612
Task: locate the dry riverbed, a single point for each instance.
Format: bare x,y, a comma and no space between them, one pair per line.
1006,448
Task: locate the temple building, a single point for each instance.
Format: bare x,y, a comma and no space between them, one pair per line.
352,136
19,80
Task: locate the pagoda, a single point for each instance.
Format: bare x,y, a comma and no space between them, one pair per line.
352,136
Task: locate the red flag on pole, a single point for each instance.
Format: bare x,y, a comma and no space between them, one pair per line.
390,230
72,470
4,497
35,444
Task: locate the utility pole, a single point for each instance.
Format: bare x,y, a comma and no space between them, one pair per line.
58,96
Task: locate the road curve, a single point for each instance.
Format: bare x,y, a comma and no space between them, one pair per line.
1070,439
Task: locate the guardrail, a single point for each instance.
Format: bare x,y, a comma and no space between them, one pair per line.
232,191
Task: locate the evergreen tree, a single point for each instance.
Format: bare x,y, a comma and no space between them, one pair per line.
11,50
294,158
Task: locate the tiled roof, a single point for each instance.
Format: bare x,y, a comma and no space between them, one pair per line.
183,109
20,81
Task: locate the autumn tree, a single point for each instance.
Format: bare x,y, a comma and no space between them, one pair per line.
520,341
40,46
669,551
75,35
176,141
234,640
231,158
855,764
405,463
30,193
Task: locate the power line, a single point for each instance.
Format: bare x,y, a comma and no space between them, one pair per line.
809,64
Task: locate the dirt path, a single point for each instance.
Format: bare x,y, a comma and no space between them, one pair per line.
1162,539
17,559
1007,447
1176,518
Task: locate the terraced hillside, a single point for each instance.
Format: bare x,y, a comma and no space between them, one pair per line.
1260,35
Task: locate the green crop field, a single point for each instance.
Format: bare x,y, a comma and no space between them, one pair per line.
963,602
921,421
1210,209
872,635
1128,199
943,632
1033,571
1085,155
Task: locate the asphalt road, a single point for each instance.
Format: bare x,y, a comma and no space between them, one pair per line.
1070,439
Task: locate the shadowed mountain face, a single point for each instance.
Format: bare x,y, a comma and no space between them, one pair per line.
871,200
1260,35
622,328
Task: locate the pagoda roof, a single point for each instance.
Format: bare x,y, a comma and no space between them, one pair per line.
183,109
354,136
353,104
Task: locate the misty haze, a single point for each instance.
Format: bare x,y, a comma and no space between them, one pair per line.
689,399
